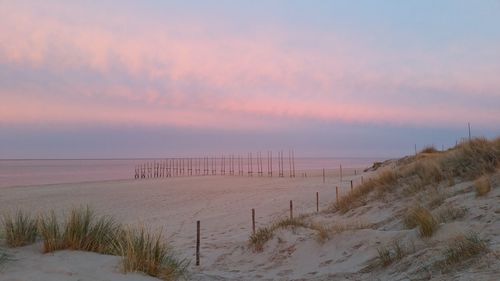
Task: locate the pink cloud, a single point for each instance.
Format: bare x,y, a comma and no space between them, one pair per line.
227,80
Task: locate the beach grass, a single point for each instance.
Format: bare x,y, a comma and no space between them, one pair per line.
87,232
19,229
142,250
386,180
146,251
263,234
423,219
482,185
49,230
464,247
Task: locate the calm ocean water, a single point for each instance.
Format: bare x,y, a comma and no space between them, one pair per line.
39,172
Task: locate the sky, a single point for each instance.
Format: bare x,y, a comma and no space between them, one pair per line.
121,79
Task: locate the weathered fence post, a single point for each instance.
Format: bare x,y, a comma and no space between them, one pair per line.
317,202
253,221
197,243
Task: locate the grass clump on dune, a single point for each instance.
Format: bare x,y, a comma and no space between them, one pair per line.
482,185
393,252
50,232
82,230
423,219
264,234
429,149
146,252
87,232
386,180
20,229
464,247
471,159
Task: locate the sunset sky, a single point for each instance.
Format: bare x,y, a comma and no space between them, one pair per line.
101,79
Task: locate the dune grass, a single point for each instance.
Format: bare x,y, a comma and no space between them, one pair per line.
429,149
450,213
468,161
19,229
474,158
464,247
86,232
50,232
393,252
423,219
326,232
482,185
263,234
82,230
385,180
147,252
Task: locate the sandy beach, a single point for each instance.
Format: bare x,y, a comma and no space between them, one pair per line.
222,203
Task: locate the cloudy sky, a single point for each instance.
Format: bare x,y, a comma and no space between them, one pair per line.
100,79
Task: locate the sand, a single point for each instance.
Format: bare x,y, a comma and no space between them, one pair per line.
223,205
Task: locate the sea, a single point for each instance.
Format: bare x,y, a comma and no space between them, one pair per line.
30,172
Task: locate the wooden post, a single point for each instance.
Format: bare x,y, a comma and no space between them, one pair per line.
323,175
197,243
340,174
291,210
337,194
317,202
469,131
351,186
253,221
355,172
415,149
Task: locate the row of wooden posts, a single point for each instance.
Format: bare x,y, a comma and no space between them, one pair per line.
198,224
211,166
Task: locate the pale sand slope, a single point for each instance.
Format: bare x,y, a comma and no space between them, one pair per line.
223,205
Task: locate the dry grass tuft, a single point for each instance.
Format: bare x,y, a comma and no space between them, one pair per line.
84,231
426,171
325,232
20,229
464,247
423,219
260,237
385,181
469,160
264,234
429,149
147,252
482,185
50,231
450,213
393,252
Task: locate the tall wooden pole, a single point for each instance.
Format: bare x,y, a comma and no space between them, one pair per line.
197,243
253,221
317,202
